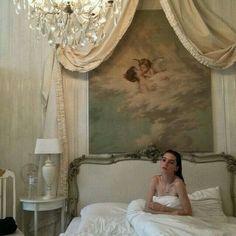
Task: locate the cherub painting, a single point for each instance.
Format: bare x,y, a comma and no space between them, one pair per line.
146,73
150,91
146,68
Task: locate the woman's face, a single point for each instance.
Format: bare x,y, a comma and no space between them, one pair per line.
168,163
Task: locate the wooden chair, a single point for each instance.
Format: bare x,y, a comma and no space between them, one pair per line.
7,178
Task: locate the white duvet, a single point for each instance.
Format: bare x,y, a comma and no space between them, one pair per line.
103,219
121,219
147,224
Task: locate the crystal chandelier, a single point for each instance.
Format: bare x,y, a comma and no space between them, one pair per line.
71,22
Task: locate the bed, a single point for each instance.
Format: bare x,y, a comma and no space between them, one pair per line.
107,192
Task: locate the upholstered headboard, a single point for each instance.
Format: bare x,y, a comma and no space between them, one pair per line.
125,177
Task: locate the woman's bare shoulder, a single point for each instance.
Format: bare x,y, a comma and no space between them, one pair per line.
179,183
156,178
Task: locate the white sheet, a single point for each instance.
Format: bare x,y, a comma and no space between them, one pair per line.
170,201
101,226
102,219
147,224
72,229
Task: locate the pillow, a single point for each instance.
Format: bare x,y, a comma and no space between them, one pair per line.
104,219
207,205
106,209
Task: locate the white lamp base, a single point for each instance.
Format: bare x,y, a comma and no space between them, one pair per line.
49,173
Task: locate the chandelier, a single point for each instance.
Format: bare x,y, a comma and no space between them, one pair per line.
71,22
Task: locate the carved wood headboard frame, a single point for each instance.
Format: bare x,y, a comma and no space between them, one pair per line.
152,154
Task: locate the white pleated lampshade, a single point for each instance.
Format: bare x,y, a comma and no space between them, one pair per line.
48,146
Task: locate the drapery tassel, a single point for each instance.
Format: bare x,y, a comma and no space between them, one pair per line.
61,124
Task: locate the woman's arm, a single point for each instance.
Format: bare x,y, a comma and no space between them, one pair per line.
151,192
184,200
157,208
152,207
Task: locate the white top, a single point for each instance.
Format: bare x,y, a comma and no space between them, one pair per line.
169,201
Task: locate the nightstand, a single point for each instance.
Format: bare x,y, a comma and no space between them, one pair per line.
40,204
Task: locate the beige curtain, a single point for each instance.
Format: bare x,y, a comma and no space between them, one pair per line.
82,60
86,59
54,124
200,31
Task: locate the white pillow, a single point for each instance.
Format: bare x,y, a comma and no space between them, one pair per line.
207,205
106,209
105,219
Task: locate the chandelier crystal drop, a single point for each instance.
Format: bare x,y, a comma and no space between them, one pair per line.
71,22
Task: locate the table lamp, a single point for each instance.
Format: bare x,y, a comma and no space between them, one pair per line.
48,146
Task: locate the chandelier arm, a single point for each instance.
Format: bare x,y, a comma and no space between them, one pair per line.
86,24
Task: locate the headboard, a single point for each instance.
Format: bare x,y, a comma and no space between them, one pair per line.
125,177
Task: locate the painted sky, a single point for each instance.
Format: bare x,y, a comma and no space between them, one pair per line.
171,109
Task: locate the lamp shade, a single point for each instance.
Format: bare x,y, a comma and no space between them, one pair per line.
48,146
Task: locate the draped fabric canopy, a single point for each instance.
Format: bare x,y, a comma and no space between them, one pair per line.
200,32
86,59
76,59
195,25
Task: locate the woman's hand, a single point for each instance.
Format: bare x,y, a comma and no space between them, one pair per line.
155,206
149,210
150,205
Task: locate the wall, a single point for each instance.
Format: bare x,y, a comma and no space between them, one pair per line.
22,59
223,89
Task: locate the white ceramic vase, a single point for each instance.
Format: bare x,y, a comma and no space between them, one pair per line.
49,173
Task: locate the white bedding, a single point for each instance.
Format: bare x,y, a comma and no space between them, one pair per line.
147,224
121,219
101,219
73,228
112,219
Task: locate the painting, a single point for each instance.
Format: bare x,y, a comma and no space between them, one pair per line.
150,91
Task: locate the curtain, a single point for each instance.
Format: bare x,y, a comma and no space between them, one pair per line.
86,59
82,60
197,27
54,124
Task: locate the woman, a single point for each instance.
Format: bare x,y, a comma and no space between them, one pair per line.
167,193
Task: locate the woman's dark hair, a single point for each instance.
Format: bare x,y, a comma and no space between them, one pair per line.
178,162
